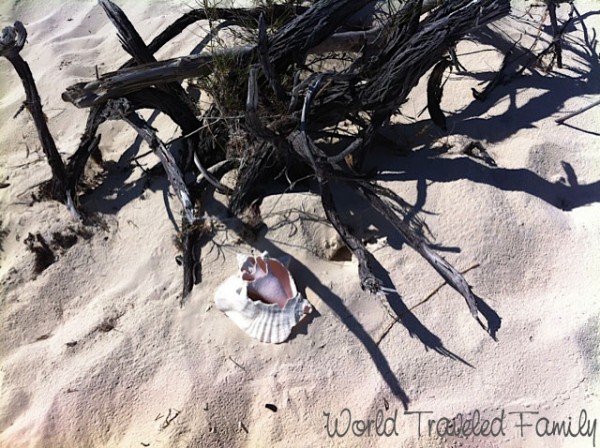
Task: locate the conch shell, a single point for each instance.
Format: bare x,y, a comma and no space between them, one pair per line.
262,299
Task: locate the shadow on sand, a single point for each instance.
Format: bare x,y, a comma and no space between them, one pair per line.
423,167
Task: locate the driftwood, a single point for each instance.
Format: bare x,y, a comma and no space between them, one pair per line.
292,41
123,81
11,43
435,91
121,109
239,16
277,114
134,45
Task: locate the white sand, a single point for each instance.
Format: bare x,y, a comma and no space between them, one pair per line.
538,270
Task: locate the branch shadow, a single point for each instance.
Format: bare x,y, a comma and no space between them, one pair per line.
426,168
336,304
557,87
494,321
426,165
114,192
403,314
408,319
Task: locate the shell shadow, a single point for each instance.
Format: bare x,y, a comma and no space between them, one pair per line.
332,300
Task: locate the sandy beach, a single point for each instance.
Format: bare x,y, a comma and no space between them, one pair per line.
95,351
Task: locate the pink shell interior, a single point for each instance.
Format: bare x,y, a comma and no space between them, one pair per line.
268,280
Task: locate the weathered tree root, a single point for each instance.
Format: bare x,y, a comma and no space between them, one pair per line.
276,133
11,42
